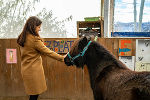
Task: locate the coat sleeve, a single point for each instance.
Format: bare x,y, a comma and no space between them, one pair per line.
39,45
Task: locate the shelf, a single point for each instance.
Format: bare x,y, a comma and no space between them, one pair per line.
85,28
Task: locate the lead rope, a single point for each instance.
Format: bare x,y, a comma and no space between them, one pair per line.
75,78
83,92
83,83
75,81
95,39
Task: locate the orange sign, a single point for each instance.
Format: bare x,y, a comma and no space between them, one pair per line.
125,48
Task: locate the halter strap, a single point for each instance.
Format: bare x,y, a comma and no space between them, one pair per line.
80,54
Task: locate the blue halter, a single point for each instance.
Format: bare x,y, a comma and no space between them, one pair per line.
80,54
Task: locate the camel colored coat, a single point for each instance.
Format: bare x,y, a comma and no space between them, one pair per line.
31,64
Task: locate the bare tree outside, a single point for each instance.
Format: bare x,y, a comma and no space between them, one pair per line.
14,13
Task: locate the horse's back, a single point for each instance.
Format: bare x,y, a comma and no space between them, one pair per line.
142,85
136,87
126,85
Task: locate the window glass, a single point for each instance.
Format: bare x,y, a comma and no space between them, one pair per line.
58,16
126,18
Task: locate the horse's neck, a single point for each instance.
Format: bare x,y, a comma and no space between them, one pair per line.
98,60
96,68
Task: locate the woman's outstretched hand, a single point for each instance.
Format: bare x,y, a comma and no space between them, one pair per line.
65,55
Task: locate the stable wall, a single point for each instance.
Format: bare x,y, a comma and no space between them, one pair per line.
64,83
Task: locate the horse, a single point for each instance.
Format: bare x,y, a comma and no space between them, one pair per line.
110,79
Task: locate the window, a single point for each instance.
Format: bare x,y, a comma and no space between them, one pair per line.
127,18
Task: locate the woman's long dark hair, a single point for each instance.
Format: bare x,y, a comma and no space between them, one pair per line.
29,27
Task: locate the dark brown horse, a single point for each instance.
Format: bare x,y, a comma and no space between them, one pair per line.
110,79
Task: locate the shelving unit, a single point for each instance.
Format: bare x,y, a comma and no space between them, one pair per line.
85,28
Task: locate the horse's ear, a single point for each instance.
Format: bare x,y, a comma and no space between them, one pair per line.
92,37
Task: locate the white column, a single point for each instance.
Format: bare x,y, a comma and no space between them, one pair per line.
135,15
141,14
106,18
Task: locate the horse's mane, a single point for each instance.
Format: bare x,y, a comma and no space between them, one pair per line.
108,55
105,63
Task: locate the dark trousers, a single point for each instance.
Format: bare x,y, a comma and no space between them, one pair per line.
33,97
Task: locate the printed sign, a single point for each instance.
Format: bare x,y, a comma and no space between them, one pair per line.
143,50
142,66
142,55
125,48
11,56
128,61
59,46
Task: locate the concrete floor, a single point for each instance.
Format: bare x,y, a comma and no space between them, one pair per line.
26,98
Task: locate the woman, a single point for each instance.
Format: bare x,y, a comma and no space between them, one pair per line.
31,47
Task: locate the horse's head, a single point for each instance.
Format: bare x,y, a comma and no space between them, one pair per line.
76,56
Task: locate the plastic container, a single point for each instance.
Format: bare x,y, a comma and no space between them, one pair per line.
92,18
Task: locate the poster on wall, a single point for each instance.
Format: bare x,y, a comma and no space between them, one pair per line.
143,50
129,61
125,47
142,66
11,56
142,55
60,46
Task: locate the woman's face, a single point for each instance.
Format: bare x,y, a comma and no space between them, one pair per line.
37,29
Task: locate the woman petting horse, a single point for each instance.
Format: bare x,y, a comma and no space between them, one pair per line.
32,47
110,79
